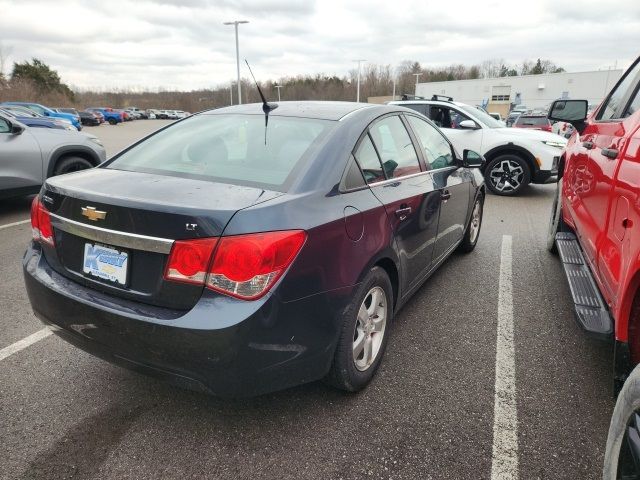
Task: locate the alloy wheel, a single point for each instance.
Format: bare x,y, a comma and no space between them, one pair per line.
476,218
370,328
507,176
629,457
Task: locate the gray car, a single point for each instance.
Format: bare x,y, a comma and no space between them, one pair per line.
28,156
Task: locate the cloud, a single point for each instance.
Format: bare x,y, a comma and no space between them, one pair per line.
184,44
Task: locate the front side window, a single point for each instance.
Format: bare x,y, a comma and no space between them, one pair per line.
228,148
37,109
445,117
394,145
611,108
4,126
435,147
634,106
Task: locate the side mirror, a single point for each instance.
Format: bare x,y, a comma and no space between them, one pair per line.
16,129
468,125
471,159
568,111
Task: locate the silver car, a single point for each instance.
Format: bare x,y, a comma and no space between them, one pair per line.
28,155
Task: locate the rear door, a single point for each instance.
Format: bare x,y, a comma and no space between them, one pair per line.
392,168
20,159
617,250
451,182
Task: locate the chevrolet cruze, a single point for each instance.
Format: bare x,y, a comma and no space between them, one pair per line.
241,253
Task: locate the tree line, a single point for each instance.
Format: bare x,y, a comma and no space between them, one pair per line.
35,81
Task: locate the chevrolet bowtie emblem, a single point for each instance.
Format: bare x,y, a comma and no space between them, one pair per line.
92,214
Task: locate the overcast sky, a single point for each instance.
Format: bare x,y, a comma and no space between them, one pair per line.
183,44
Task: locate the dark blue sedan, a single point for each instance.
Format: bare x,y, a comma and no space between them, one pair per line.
239,257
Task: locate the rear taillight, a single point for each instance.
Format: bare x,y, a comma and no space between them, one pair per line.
189,260
41,223
243,266
246,266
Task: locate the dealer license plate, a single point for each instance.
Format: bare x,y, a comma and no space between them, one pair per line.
106,263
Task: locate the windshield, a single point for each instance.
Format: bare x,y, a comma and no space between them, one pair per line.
228,148
483,117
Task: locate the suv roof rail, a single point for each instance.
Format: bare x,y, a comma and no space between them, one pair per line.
408,96
438,97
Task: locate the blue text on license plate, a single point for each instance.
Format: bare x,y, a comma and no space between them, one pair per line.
106,263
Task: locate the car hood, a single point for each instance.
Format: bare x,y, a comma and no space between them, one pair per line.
529,134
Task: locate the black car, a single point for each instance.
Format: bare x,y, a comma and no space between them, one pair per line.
88,118
240,254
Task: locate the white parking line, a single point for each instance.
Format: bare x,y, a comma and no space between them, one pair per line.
21,222
504,459
24,343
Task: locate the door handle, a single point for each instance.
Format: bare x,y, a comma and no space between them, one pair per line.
445,195
587,145
402,212
610,152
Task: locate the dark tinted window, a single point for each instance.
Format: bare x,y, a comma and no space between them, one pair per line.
369,161
422,108
227,148
353,177
634,106
611,109
395,147
523,120
435,147
445,117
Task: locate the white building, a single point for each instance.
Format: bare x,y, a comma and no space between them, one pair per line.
534,91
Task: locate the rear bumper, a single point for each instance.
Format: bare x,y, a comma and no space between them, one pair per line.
223,346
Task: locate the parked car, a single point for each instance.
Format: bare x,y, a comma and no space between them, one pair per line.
511,118
109,115
48,112
139,114
265,256
515,157
89,118
71,111
533,122
496,115
596,215
34,120
30,155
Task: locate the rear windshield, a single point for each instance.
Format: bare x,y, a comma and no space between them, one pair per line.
522,120
228,148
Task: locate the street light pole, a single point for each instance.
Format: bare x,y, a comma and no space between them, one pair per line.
417,75
278,87
358,88
235,23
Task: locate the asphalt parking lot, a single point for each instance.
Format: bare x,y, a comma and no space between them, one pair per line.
428,414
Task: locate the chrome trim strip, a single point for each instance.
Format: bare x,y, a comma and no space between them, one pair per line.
112,237
398,179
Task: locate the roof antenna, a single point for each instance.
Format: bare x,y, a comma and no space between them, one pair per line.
266,106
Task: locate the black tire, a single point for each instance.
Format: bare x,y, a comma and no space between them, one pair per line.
344,374
505,165
556,224
471,235
112,121
617,457
71,164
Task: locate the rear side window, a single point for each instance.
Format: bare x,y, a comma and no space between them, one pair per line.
369,162
436,149
395,147
228,148
418,107
611,109
353,176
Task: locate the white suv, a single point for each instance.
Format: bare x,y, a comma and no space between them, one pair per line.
515,156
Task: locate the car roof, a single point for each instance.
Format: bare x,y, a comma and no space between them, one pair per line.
307,109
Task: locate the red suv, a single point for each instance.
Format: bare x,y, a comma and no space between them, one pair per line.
595,218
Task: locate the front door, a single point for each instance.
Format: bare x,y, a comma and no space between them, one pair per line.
452,183
20,159
391,166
